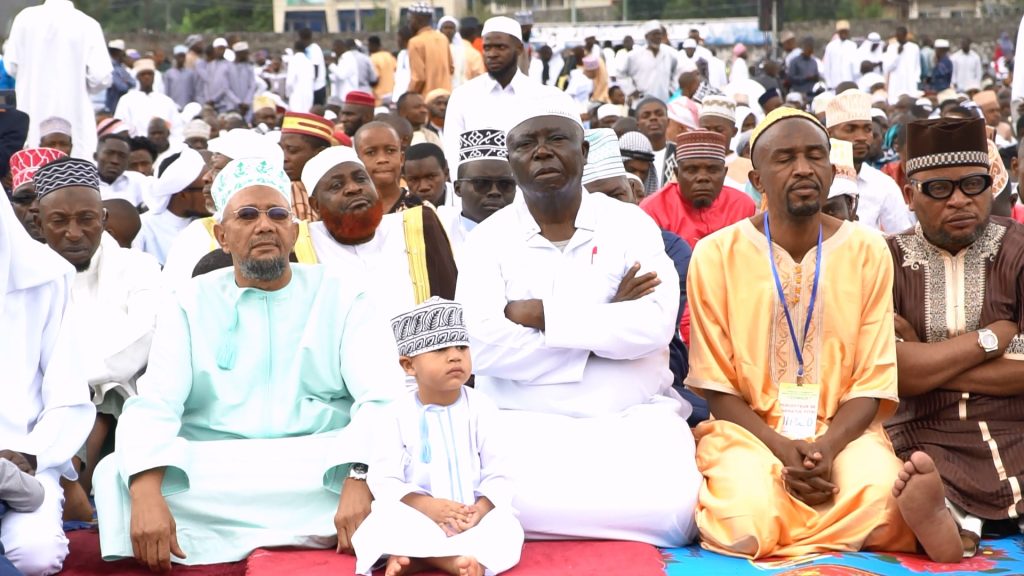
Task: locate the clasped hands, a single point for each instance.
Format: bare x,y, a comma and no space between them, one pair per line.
452,517
807,470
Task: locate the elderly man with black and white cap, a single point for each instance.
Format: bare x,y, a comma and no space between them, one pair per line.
472,106
197,239
174,200
571,302
184,480
114,298
45,412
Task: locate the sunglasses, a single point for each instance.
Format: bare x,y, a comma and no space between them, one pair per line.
251,213
483,185
942,188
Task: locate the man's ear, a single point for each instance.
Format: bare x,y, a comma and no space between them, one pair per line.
221,235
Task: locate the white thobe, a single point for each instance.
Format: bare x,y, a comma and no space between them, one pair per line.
299,83
881,205
158,233
579,88
44,401
457,227
902,69
472,107
188,248
653,74
1017,87
866,53
316,57
138,108
967,70
448,452
739,71
130,185
594,386
345,74
403,74
383,263
118,297
58,56
841,62
555,66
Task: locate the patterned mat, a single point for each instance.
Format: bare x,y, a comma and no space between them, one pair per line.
1001,556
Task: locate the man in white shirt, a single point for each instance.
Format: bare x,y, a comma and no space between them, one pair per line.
45,412
841,57
652,69
139,106
114,297
299,82
175,200
881,205
967,70
488,101
315,54
902,66
58,56
570,302
116,181
483,182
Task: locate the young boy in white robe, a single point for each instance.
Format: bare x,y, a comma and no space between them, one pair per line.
441,497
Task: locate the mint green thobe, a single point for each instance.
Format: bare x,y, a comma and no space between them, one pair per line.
253,401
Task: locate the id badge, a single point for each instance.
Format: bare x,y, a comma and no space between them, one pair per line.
799,405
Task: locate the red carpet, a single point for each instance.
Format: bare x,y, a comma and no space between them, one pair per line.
539,559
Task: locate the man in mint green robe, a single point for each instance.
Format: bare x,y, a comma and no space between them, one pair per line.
254,402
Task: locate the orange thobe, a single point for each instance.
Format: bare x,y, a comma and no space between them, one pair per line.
430,61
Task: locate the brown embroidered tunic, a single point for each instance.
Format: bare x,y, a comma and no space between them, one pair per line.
977,441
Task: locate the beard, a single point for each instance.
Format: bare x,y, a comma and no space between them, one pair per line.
263,269
803,210
353,227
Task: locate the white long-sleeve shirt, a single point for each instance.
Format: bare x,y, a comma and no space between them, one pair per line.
903,69
841,62
58,56
299,83
594,357
881,205
967,70
139,108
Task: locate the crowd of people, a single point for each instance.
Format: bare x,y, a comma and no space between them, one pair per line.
421,306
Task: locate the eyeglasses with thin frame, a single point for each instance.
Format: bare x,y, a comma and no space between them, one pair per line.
942,188
251,213
483,185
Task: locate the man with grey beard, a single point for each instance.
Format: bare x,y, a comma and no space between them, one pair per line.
263,358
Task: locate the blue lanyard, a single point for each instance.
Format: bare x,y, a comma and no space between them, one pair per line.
798,346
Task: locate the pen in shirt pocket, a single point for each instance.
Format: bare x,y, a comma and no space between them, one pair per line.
593,254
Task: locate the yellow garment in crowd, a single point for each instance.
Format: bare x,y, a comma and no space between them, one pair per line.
741,345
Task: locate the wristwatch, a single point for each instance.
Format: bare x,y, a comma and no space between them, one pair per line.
987,340
358,471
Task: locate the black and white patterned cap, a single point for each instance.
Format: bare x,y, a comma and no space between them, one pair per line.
421,8
433,325
64,173
485,144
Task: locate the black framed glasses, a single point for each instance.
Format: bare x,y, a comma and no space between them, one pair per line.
483,185
251,213
942,188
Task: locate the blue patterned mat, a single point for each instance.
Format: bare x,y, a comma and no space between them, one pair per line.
1003,556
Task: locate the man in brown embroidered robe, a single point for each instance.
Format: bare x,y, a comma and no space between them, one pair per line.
959,302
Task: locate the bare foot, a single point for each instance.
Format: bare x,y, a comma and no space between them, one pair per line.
921,498
76,503
458,565
403,565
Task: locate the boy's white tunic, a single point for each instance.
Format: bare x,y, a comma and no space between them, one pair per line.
599,443
448,452
251,401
